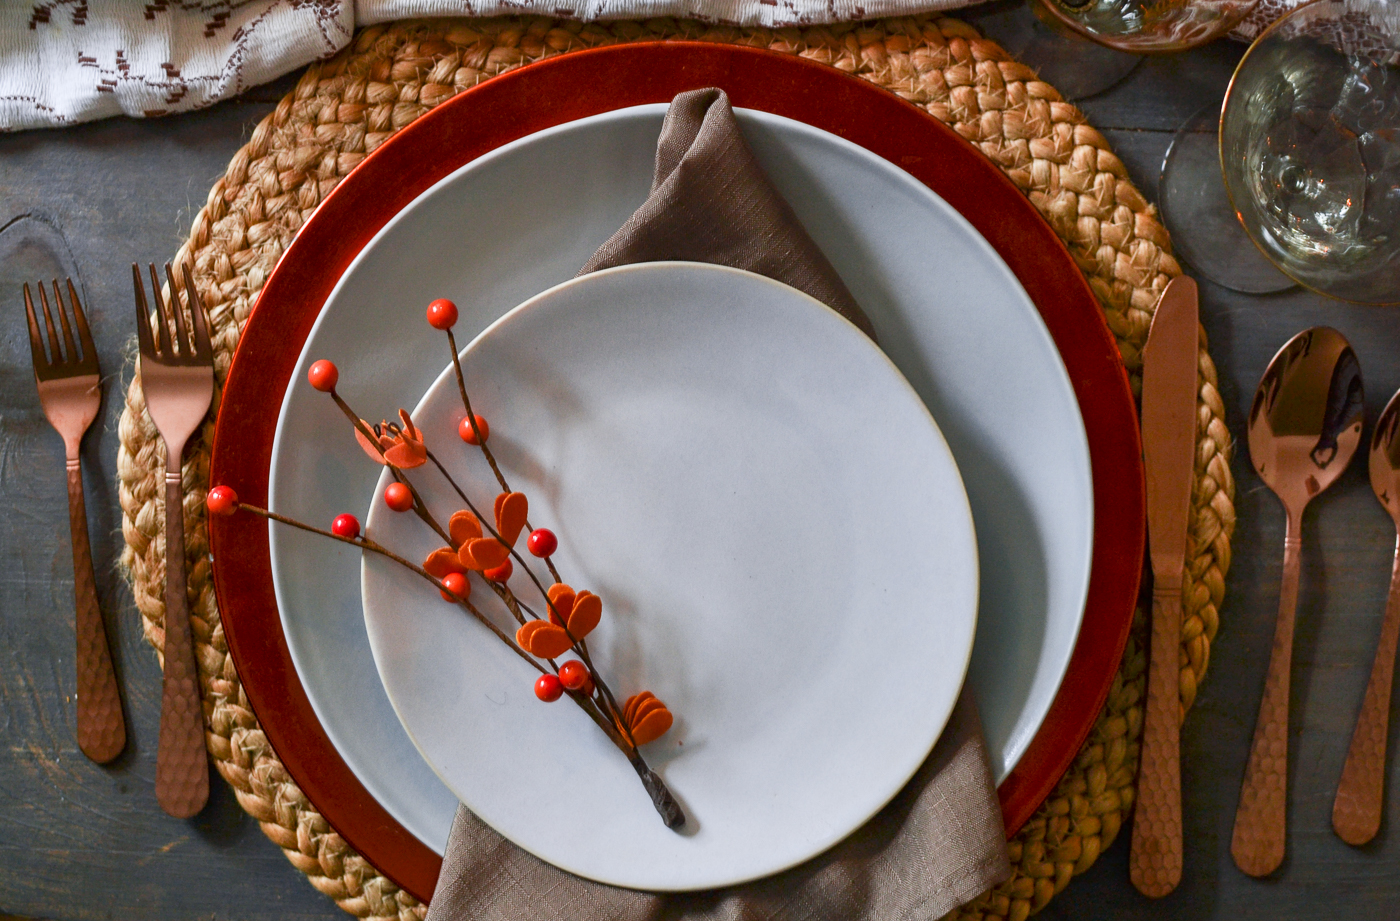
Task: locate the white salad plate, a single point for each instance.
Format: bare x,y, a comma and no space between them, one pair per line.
523,218
783,548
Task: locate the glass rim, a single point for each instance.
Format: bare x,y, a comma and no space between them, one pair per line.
1052,8
1225,173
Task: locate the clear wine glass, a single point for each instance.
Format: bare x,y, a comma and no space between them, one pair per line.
1084,47
1145,26
1310,147
1197,211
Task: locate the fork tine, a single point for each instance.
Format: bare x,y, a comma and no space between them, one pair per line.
162,313
177,307
203,349
143,315
70,347
54,350
36,338
84,334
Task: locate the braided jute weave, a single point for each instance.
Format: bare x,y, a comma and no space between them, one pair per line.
345,107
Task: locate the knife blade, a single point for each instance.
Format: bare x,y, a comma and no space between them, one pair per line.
1169,394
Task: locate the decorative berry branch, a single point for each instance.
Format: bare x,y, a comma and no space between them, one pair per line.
442,315
486,546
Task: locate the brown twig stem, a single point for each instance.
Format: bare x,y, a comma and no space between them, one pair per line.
364,543
471,416
586,704
580,646
420,508
611,722
485,449
486,523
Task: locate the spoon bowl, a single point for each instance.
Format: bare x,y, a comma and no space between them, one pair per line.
1385,458
1356,811
1305,422
1304,429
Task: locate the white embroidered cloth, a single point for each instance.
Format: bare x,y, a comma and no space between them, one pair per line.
69,61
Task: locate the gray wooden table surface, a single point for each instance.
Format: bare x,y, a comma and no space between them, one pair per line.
83,842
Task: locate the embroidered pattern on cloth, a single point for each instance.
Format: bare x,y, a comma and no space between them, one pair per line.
69,61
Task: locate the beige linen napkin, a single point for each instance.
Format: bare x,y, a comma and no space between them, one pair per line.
941,841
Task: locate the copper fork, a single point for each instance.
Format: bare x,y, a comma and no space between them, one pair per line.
71,393
177,378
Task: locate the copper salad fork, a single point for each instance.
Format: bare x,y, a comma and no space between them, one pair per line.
70,390
177,379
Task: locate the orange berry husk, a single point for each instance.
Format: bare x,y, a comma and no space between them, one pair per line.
646,717
443,561
587,611
542,639
483,553
463,526
512,508
652,726
561,602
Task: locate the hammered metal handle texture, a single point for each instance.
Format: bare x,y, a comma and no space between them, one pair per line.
182,766
1356,812
101,727
1260,820
1155,860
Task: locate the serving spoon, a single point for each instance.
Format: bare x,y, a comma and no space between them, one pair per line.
1356,812
1304,428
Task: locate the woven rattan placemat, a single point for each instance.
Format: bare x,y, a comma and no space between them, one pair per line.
345,107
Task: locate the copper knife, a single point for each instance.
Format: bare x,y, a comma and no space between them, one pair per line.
1169,451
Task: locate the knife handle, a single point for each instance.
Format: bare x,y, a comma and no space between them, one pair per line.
1155,860
1261,819
101,726
1356,812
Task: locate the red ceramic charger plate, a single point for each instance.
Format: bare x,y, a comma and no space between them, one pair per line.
576,86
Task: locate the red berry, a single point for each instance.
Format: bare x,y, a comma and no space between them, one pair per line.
221,500
573,675
464,429
457,587
548,688
587,689
542,542
323,375
346,526
442,314
398,497
499,573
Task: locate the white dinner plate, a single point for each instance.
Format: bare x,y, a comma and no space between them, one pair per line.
525,217
783,548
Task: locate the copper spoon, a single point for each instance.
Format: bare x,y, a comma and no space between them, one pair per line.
1356,812
1304,428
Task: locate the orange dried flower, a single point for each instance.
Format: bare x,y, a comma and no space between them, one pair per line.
397,444
443,561
482,553
512,508
579,612
473,550
542,639
463,527
646,717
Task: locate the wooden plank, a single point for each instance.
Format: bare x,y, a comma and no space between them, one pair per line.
78,841
1348,545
